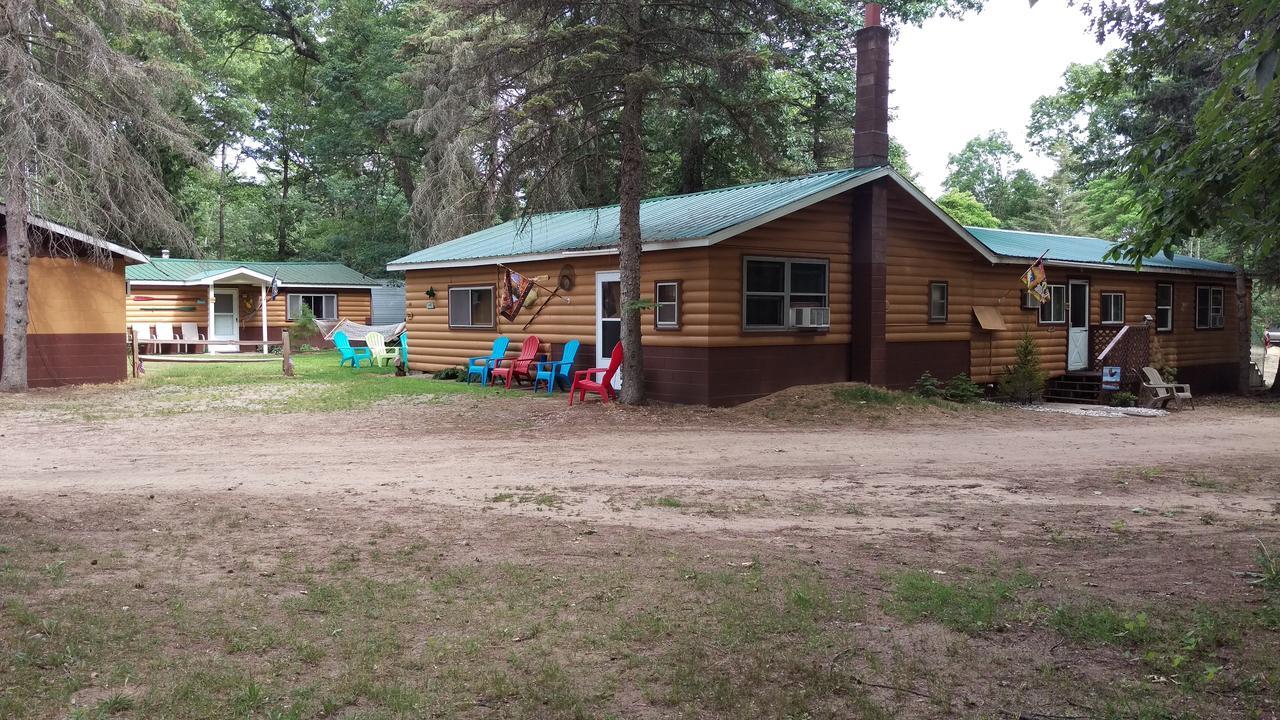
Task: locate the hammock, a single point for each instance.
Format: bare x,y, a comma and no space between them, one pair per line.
356,331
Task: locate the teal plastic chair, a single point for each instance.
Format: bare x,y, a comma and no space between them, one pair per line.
350,354
480,365
557,372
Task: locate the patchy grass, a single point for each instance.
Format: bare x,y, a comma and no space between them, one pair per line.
972,606
539,500
319,384
666,501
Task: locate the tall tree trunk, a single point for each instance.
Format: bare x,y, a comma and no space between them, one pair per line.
13,374
282,220
222,204
630,188
1244,326
817,149
693,151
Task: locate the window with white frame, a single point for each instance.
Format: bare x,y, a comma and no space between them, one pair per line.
666,298
471,307
1112,309
1164,306
1054,312
324,307
1209,307
937,302
773,286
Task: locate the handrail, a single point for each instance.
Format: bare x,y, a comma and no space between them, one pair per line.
1102,355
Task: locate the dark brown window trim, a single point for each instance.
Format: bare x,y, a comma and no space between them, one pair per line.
946,317
1196,309
1124,309
743,330
679,306
473,328
1173,308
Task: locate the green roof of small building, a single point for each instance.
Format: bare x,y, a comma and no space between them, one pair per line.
316,274
1076,249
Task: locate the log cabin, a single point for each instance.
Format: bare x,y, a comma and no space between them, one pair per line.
75,302
845,275
234,297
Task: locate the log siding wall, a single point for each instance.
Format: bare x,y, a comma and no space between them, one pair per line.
355,305
921,249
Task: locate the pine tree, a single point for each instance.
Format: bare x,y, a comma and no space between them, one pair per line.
1023,382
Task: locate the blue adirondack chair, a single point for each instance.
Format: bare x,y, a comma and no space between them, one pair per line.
482,364
350,354
557,372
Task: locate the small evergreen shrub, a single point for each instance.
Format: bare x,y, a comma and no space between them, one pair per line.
927,386
453,373
1023,382
961,389
1124,399
304,326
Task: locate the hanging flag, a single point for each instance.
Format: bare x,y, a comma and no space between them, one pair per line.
1037,281
275,284
515,289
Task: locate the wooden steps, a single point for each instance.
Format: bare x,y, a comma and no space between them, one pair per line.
1084,386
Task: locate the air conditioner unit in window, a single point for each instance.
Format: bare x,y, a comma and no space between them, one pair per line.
1216,321
810,317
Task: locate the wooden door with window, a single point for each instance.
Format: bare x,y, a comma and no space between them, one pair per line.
1078,325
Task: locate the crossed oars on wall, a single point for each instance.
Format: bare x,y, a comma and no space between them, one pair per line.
564,283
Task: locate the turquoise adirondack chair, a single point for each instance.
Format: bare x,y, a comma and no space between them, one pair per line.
482,364
557,372
350,354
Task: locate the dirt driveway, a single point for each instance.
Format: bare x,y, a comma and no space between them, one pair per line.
676,469
486,557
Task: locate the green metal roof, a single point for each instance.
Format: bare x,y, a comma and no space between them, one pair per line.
715,214
1071,248
662,219
291,273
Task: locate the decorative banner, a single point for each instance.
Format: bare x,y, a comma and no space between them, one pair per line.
1036,280
275,284
1111,378
515,290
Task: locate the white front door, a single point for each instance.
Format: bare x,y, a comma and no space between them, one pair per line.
1078,325
608,319
226,319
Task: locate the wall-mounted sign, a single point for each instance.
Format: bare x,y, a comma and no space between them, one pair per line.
1110,378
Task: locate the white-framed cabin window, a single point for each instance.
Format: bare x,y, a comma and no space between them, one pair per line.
1209,308
772,287
666,300
1054,312
1112,310
1164,306
324,307
471,307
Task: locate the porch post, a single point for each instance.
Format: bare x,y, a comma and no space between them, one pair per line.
263,305
208,334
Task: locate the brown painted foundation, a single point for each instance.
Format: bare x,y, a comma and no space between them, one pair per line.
907,361
732,375
75,359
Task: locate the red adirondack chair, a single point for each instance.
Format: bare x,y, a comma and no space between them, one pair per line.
522,366
583,384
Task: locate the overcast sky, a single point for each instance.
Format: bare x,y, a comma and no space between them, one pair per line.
954,79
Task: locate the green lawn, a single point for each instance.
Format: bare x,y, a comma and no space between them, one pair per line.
318,384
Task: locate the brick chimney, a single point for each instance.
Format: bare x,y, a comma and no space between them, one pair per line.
869,236
871,104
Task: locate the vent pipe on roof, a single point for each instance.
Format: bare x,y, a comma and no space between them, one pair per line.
871,104
164,253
